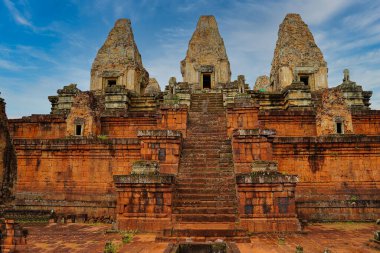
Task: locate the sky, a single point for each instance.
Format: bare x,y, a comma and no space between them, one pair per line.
46,44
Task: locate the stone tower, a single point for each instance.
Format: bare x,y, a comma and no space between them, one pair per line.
297,57
206,63
118,61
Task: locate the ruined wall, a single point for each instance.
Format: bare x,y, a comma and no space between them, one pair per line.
262,84
163,146
366,122
118,127
333,109
241,118
72,175
297,52
144,202
339,176
168,117
251,145
38,127
8,160
289,123
85,111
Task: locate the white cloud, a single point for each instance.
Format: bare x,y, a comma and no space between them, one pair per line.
249,30
16,14
8,65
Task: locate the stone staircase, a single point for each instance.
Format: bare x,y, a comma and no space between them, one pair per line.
205,201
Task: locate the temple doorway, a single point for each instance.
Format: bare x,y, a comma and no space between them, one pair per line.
206,80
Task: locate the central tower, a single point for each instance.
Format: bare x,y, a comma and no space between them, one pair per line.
206,65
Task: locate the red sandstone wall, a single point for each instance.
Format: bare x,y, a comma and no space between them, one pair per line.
173,119
38,127
241,118
72,176
339,176
126,127
289,123
366,122
168,119
248,149
165,151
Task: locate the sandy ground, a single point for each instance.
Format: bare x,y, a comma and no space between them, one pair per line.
88,238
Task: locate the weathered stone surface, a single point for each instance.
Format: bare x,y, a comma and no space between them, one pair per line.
264,166
297,54
206,54
333,109
118,61
355,97
142,167
85,112
8,160
116,98
262,84
61,104
222,130
12,236
153,87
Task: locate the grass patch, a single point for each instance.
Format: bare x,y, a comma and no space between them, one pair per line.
127,236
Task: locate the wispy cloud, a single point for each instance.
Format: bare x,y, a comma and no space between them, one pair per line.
8,65
17,15
347,31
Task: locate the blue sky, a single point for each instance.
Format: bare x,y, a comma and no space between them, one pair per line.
45,45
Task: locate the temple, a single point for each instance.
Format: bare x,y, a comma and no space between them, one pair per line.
207,156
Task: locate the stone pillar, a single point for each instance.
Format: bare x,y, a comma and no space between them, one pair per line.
163,146
267,199
144,198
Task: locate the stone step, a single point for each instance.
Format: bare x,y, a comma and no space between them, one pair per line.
205,217
215,138
186,174
205,232
204,197
222,191
210,163
206,203
204,210
209,186
207,167
176,239
188,179
205,159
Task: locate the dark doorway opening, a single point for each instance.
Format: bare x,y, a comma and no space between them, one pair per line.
339,128
78,130
304,79
206,81
111,82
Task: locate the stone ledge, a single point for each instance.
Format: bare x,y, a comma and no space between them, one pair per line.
76,141
159,133
40,118
265,177
253,132
144,167
143,179
329,139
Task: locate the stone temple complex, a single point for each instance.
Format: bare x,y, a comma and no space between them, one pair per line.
207,156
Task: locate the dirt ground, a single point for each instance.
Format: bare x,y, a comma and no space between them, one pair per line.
88,238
